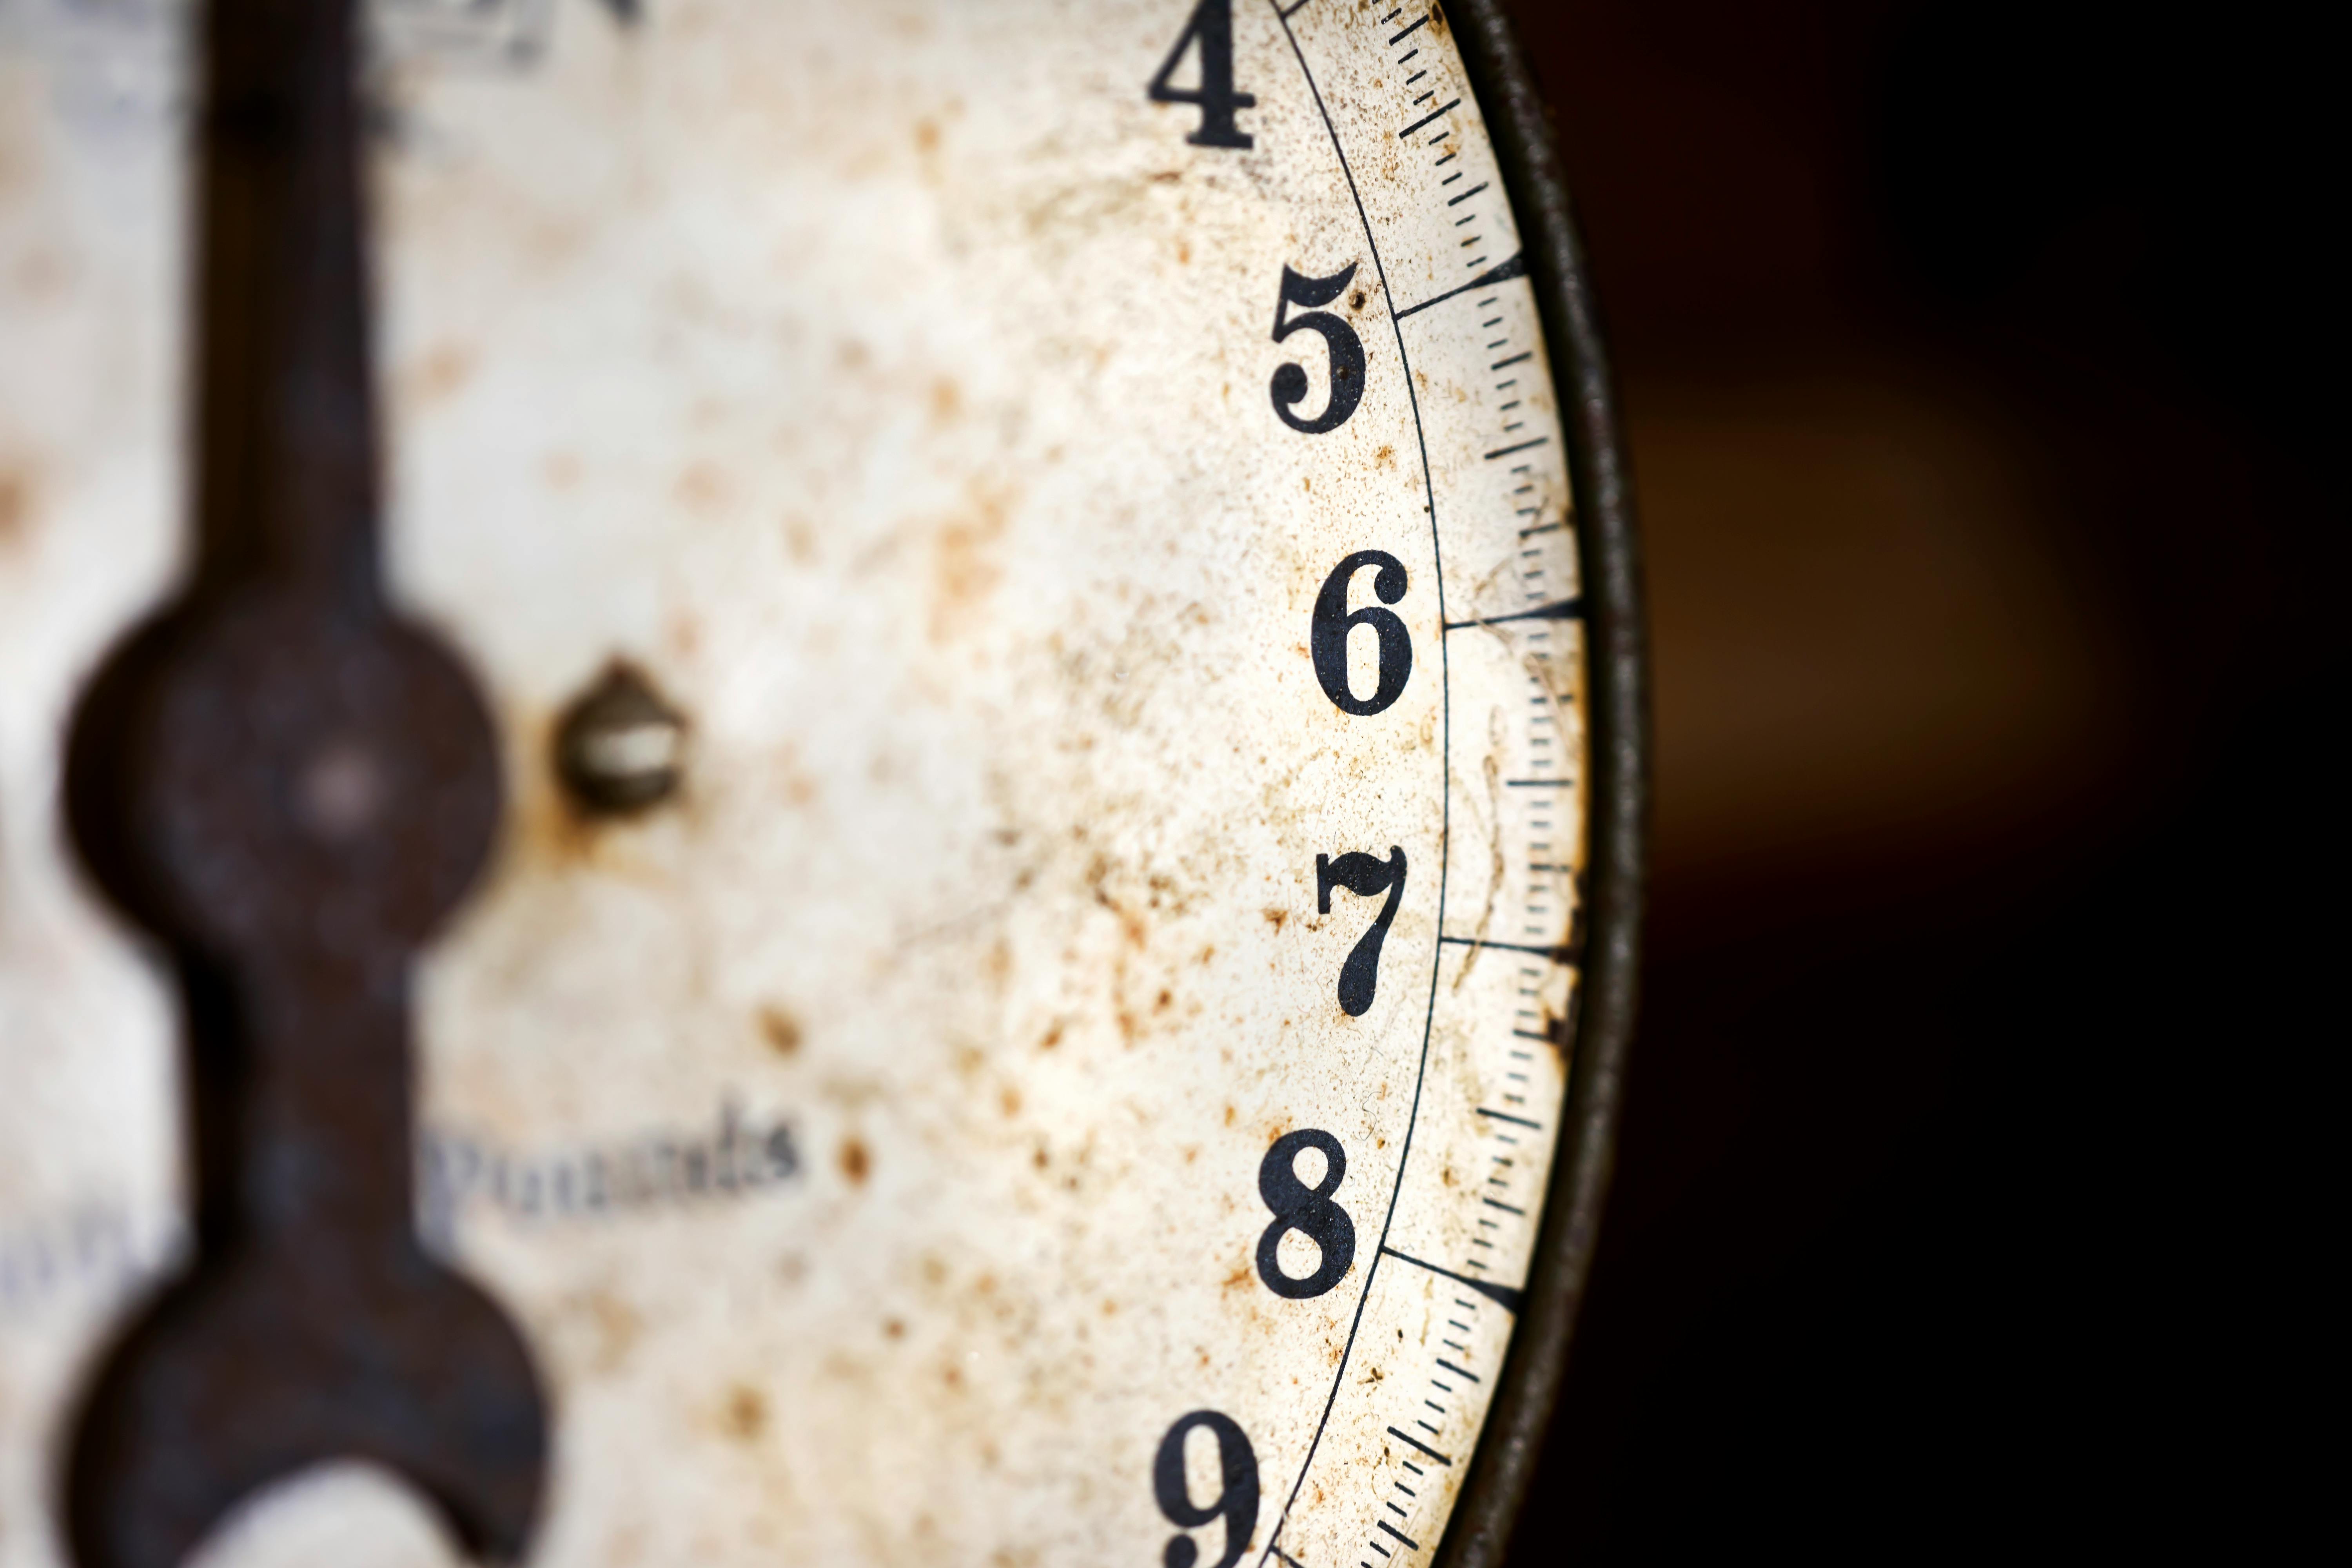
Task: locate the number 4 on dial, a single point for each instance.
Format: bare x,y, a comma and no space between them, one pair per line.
1211,28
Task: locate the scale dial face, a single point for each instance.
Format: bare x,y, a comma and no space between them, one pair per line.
1020,559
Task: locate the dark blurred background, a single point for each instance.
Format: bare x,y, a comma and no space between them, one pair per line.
1980,361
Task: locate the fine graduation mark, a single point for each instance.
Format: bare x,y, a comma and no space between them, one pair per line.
1517,267
1502,1296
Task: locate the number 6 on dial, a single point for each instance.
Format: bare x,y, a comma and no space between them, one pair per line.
1326,635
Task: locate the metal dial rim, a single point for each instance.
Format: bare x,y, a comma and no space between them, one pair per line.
1608,542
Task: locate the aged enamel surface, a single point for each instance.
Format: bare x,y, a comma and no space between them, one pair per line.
869,1137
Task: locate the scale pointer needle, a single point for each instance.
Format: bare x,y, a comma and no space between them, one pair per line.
292,787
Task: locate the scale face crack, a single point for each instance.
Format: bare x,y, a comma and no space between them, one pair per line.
787,782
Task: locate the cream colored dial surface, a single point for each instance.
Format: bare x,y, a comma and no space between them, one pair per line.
1062,508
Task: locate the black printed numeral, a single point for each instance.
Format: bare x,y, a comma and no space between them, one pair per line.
1362,876
1326,637
1306,1210
1236,1498
1211,28
1347,351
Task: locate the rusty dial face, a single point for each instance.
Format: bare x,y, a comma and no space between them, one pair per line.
1019,557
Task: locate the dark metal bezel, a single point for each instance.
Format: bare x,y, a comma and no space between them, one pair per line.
1609,545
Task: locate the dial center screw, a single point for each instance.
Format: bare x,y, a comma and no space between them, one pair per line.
620,748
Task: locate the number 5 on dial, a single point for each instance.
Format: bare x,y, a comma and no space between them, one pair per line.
1346,351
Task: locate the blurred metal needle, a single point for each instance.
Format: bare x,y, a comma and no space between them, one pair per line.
293,787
